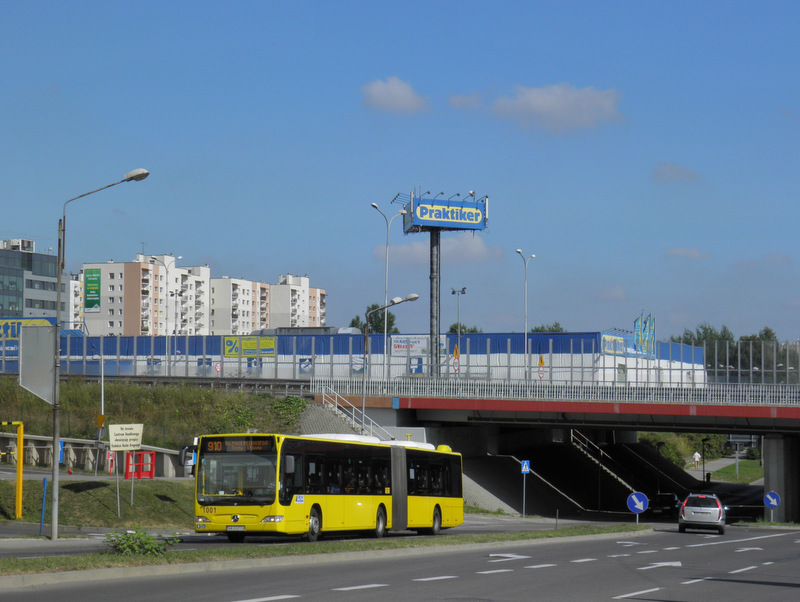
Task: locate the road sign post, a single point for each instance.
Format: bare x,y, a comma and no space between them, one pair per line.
637,503
772,500
526,468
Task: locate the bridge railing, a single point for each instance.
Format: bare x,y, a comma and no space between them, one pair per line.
709,394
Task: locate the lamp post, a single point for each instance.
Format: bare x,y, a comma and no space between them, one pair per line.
525,261
395,301
386,282
458,294
704,441
166,307
132,176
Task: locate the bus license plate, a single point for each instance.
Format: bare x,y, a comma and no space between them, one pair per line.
234,528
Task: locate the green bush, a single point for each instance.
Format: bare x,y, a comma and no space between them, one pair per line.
138,543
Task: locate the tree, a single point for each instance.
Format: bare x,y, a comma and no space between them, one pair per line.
464,329
554,327
376,321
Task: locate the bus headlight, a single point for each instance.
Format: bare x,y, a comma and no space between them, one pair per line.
272,519
201,519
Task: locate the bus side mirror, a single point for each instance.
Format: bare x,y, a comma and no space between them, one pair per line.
288,464
186,455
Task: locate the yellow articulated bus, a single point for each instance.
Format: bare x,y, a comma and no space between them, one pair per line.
264,484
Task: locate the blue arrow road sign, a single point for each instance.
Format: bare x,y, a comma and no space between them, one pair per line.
637,502
526,467
772,500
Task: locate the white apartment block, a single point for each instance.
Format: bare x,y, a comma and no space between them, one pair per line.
153,296
294,303
149,296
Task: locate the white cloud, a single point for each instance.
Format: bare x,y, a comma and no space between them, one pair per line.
463,248
614,294
688,253
672,172
472,101
559,108
393,95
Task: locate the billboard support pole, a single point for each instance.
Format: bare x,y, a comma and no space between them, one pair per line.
435,297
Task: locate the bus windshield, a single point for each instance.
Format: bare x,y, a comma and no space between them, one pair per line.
236,471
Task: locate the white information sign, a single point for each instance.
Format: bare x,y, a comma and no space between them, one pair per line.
125,437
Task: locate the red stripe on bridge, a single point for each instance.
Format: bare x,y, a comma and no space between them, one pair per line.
599,407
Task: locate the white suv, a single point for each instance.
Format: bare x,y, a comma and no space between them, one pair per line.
702,511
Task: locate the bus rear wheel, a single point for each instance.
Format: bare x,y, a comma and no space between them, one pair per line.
380,523
314,525
436,527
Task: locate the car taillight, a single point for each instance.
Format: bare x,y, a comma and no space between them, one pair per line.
683,508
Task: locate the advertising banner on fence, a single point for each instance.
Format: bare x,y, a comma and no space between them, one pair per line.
249,346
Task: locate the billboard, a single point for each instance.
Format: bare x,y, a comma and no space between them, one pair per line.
249,346
422,214
91,291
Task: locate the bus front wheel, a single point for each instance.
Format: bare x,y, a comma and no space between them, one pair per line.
314,525
380,523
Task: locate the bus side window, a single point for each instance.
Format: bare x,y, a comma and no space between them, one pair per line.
334,476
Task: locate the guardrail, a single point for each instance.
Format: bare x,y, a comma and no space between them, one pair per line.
709,394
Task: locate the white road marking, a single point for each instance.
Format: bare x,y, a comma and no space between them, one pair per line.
633,594
540,566
749,550
619,555
647,552
504,557
285,597
436,578
657,565
747,568
357,587
495,571
692,581
725,541
583,560
672,548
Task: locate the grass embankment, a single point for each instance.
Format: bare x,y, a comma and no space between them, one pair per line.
168,505
172,415
749,471
157,504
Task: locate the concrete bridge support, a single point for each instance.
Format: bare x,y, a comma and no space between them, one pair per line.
782,475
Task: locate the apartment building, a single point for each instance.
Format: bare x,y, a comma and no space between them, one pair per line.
149,296
152,295
27,281
294,303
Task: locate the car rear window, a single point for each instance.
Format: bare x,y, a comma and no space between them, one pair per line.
702,502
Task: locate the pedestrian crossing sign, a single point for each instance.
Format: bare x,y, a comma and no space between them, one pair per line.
526,467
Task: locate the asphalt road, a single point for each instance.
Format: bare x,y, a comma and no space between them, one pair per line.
745,564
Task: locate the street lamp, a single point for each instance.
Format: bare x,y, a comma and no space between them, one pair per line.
395,301
525,261
166,306
132,176
704,441
458,294
386,282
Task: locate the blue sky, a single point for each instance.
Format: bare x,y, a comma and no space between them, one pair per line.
646,152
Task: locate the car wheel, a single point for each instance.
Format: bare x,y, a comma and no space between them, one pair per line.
721,530
682,528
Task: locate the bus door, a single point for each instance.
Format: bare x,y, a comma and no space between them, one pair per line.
399,489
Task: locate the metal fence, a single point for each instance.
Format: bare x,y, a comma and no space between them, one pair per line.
584,362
